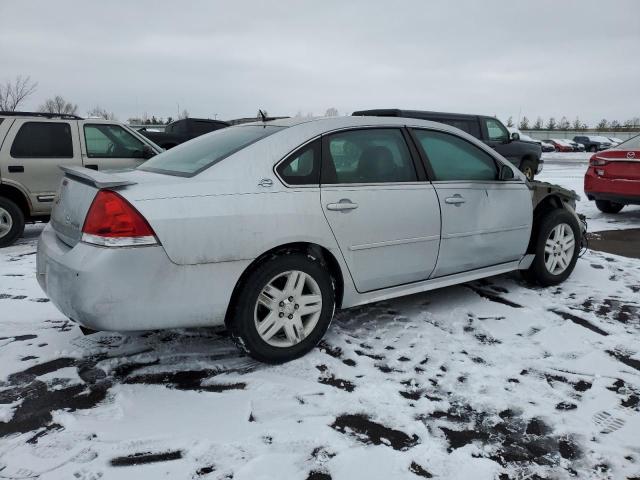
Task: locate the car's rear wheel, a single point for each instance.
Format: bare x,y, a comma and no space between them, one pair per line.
528,168
556,248
11,222
284,308
605,206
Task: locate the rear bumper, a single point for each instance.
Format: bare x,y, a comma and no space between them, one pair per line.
615,190
136,288
540,166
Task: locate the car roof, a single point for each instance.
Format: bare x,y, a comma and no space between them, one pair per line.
398,112
331,123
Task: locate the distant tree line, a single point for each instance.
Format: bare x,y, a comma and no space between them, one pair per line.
564,124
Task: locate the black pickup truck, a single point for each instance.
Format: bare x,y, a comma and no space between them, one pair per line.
182,130
524,155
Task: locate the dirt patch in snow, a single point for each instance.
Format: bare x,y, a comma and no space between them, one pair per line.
368,431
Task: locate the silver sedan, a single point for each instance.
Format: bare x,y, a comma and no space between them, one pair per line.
269,227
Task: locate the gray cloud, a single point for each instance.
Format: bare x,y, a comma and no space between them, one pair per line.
538,57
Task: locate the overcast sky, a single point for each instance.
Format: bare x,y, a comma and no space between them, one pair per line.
504,58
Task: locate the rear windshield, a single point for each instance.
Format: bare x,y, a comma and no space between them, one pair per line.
631,144
196,155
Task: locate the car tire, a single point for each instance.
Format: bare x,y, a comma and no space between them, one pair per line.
593,149
606,206
11,222
528,168
275,293
554,232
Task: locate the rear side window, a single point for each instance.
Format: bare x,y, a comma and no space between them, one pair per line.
376,155
43,140
472,127
302,167
111,141
455,159
200,128
194,156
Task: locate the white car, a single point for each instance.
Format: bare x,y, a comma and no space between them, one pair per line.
269,227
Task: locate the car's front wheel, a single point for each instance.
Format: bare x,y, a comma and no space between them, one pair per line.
557,245
605,206
284,308
11,222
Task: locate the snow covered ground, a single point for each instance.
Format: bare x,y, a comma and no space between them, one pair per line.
488,380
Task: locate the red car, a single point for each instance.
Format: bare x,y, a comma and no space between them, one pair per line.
613,177
561,145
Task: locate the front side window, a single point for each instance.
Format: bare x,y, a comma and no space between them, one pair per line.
194,156
111,141
455,159
496,131
302,167
377,155
43,140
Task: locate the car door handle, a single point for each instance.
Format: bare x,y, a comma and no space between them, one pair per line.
15,168
455,200
342,206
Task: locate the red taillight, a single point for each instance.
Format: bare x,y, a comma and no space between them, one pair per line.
596,161
112,221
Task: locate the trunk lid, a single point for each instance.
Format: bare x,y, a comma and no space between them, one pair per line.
75,195
621,164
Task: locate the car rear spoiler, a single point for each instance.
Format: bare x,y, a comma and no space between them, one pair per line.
94,177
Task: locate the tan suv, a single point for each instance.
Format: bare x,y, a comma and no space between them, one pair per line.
33,146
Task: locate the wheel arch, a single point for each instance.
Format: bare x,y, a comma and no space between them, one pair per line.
547,204
308,248
17,196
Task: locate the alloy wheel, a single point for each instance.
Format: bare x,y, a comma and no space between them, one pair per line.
6,222
288,309
559,248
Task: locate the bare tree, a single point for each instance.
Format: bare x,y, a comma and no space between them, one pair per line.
99,112
602,124
183,115
615,125
59,105
564,124
510,122
331,112
551,124
13,93
539,123
524,123
577,123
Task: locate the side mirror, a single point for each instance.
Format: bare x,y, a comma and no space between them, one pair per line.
147,152
506,173
515,136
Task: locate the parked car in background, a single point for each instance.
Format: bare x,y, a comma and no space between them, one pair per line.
182,130
561,145
577,147
547,146
613,177
267,228
524,155
593,143
35,145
